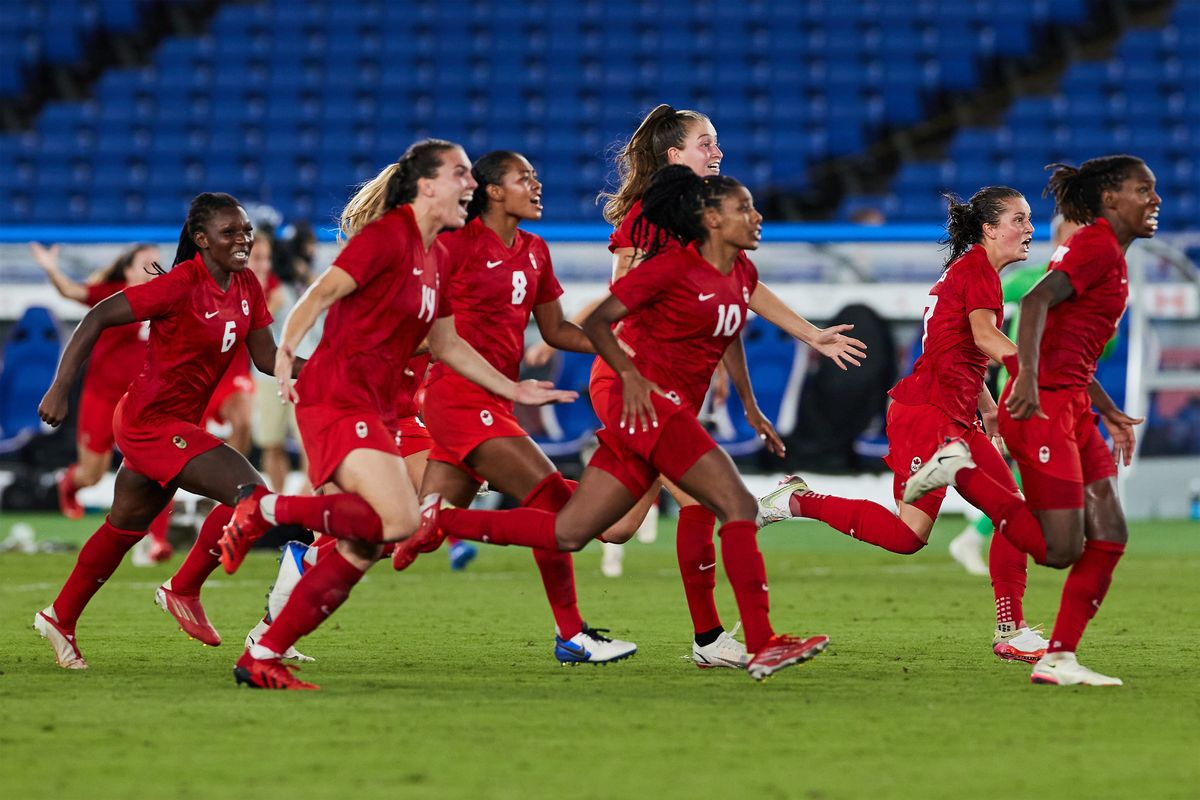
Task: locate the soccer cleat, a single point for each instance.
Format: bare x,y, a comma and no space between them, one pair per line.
461,554
429,535
190,615
612,560
776,505
67,503
267,673
1024,644
291,654
66,650
244,528
726,651
782,651
591,646
967,550
159,551
1062,669
939,470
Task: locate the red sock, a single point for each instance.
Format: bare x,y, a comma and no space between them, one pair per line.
204,556
68,480
1006,564
1083,592
697,556
324,544
556,567
527,527
98,559
748,576
158,528
343,516
861,519
1006,508
321,590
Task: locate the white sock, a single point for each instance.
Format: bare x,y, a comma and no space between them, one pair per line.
266,507
261,653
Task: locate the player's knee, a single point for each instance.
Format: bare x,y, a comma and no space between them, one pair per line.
1060,555
619,534
399,523
739,505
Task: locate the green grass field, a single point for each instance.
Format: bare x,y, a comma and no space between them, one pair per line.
442,685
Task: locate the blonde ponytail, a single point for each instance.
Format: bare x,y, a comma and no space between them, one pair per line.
368,204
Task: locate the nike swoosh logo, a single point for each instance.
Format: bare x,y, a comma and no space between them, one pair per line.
709,296
210,316
418,271
704,567
494,264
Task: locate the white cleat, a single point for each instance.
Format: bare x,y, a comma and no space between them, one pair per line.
139,556
776,505
1024,644
1062,669
726,651
292,653
967,550
612,560
939,470
66,651
591,646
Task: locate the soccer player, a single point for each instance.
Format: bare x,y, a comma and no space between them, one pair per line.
1046,412
945,398
202,312
678,314
385,294
114,363
683,137
499,276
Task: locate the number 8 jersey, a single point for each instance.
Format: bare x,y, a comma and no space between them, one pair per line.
684,312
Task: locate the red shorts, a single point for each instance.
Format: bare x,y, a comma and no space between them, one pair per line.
94,428
1061,455
330,434
412,437
229,385
462,415
914,433
160,448
636,459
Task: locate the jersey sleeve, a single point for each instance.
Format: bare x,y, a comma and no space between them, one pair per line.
260,315
622,235
981,290
643,285
160,296
102,291
366,254
1082,261
549,289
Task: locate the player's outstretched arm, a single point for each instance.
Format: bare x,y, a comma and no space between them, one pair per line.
638,410
47,259
263,352
560,333
334,284
1118,424
734,360
112,311
988,338
830,342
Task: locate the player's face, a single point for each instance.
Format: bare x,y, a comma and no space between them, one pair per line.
140,270
451,188
1136,203
1012,234
522,191
260,261
739,223
699,151
227,240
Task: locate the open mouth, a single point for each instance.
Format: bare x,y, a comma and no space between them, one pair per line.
465,201
536,200
1025,243
1152,221
241,255
714,167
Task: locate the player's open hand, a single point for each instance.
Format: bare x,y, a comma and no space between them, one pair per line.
540,393
45,257
1023,401
1120,429
284,361
638,411
832,343
53,408
766,431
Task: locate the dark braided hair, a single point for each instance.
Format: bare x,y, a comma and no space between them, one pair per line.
1077,190
200,212
488,171
965,221
672,207
394,186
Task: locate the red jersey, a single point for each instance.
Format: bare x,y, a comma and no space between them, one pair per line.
408,404
119,352
1078,328
495,289
683,314
371,333
950,372
198,330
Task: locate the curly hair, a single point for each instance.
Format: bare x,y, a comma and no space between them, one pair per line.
673,204
1077,190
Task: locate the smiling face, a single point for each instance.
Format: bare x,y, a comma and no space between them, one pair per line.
450,189
1009,238
736,222
699,151
1135,204
226,240
519,194
141,269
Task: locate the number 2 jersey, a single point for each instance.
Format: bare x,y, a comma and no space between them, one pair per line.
950,372
683,314
197,330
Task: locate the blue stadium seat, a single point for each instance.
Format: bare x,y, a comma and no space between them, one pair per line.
27,366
